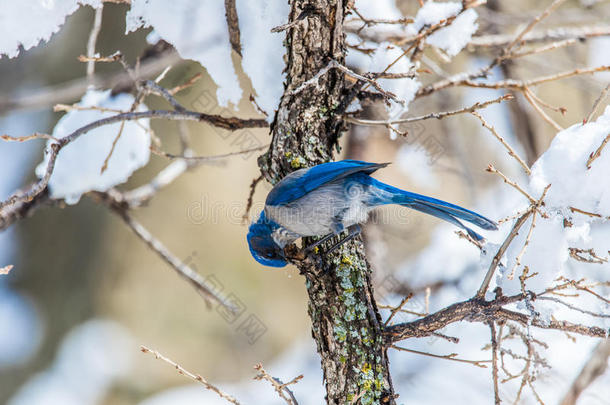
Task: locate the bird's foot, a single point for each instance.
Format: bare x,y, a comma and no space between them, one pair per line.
353,231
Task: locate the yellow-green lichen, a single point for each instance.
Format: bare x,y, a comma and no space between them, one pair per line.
297,162
346,260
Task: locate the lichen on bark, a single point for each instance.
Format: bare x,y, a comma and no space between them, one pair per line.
345,320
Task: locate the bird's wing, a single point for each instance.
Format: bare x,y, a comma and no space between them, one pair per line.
301,182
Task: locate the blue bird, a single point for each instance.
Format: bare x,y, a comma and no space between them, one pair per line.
329,198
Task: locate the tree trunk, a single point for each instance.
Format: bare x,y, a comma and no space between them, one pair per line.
345,320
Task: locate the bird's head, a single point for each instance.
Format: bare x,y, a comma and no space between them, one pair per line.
262,246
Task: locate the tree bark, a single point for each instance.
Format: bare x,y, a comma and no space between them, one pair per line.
345,321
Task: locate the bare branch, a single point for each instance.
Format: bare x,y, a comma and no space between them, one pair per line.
597,103
553,34
281,388
494,361
74,89
598,151
478,363
230,123
510,150
397,309
233,25
574,308
498,256
532,24
492,169
519,257
95,30
527,93
467,79
194,278
438,115
186,84
333,64
592,257
195,377
212,158
250,198
36,135
477,310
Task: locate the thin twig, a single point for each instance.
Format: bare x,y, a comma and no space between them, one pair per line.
401,310
36,135
519,257
233,25
95,30
527,93
492,169
478,363
437,115
74,89
253,185
494,362
597,103
216,120
195,377
577,253
194,278
498,256
510,150
532,24
280,387
211,158
478,310
186,84
598,151
553,34
467,79
545,48
543,103
397,308
333,64
574,308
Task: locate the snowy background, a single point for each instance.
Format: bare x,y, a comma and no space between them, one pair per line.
84,293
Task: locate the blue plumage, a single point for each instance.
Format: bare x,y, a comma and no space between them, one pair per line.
301,182
329,198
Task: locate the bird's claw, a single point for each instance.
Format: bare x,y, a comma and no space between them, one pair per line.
293,253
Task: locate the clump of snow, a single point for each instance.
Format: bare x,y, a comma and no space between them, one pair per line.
453,38
262,50
564,166
25,23
456,36
78,164
432,13
198,31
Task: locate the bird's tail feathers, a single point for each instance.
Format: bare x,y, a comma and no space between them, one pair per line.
438,208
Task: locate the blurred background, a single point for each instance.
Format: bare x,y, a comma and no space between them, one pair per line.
85,292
